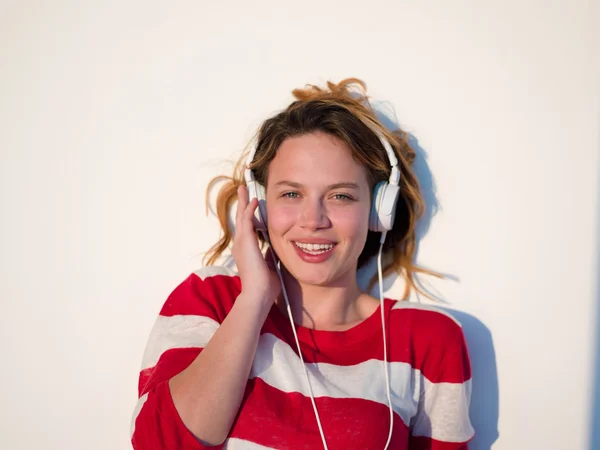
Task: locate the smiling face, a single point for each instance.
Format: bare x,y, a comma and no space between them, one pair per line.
318,203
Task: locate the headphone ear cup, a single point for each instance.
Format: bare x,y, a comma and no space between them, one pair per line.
257,190
373,216
383,207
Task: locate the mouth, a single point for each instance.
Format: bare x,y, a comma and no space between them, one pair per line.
314,249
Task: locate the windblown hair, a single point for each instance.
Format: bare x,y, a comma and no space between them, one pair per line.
344,112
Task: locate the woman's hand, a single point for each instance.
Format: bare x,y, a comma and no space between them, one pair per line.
257,273
208,393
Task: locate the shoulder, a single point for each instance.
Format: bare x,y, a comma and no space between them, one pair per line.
425,319
208,272
210,290
433,339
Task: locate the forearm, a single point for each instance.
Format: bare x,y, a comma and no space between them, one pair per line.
207,394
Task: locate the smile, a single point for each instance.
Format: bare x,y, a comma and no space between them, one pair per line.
314,249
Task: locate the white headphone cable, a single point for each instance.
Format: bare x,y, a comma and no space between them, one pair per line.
385,358
289,310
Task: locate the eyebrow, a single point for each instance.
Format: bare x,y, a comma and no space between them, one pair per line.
345,184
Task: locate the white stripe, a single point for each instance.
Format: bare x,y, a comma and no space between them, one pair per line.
278,365
177,332
242,444
444,412
405,304
136,413
211,271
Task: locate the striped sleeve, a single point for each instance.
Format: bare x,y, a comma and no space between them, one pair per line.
187,321
442,419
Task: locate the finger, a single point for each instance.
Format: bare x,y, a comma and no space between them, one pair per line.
245,210
249,217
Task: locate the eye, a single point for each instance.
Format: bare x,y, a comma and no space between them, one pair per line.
290,194
343,197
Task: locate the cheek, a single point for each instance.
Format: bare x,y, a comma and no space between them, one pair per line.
354,223
280,218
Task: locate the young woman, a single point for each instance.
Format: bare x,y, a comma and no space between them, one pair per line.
225,367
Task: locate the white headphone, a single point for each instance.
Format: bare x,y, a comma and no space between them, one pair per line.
381,219
385,194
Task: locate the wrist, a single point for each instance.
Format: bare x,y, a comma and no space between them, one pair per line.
255,303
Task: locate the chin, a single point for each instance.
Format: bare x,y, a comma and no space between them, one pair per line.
317,275
313,280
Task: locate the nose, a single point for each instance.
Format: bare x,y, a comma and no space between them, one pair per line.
313,215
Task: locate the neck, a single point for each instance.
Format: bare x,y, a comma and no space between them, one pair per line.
333,307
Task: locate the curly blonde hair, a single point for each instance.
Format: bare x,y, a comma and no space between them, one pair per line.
343,111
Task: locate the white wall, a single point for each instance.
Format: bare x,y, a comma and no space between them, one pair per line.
115,114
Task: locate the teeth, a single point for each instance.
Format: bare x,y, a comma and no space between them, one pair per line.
314,248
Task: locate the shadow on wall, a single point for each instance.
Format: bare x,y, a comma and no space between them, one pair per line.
485,400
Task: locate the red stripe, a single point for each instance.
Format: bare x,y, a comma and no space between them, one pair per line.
426,340
169,364
287,420
340,348
212,297
274,419
159,427
431,342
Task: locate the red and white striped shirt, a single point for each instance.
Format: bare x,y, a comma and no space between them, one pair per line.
430,377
